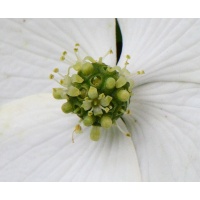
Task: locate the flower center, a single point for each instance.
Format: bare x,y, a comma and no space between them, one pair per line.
97,93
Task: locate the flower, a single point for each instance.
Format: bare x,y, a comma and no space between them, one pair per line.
35,136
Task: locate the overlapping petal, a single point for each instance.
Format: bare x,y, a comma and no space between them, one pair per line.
165,106
166,131
31,48
167,49
36,145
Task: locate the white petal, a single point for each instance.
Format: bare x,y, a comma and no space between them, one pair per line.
166,131
30,49
166,49
36,145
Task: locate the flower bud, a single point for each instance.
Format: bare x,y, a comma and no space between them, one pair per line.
106,122
123,95
58,93
67,107
87,68
110,83
73,91
92,93
95,133
88,120
121,82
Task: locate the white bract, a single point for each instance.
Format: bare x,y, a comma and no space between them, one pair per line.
164,118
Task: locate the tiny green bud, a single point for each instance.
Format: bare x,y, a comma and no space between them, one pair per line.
106,122
77,66
105,101
87,68
73,91
110,83
67,107
95,133
92,93
76,79
123,95
88,120
87,104
121,82
58,93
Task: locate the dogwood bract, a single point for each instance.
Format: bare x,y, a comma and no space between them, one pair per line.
163,120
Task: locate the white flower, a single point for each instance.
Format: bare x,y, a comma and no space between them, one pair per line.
35,136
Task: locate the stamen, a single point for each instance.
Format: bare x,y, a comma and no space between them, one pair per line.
101,58
126,62
89,58
127,134
51,76
76,52
77,130
56,70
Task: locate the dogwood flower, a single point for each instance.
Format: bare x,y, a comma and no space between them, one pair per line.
164,110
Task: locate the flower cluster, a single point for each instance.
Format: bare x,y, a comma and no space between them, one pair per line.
97,93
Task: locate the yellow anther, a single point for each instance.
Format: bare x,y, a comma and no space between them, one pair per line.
77,129
75,49
128,111
77,45
64,53
51,76
61,81
111,52
140,72
127,58
90,113
62,58
56,70
128,134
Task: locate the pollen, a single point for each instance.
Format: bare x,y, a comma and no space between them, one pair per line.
97,93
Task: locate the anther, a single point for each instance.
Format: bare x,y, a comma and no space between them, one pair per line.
62,58
126,62
77,130
64,53
140,72
51,76
56,70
